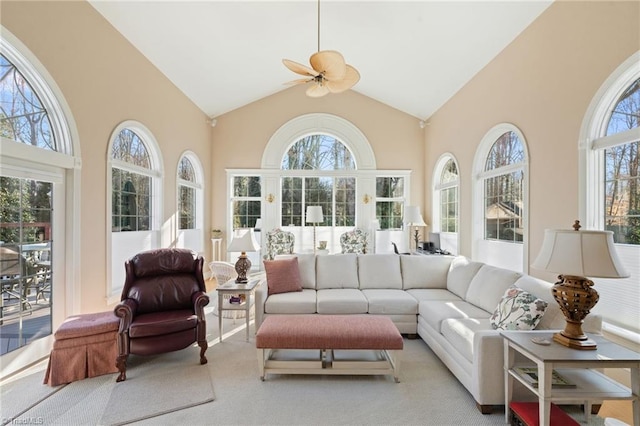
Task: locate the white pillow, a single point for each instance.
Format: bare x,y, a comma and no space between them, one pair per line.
518,310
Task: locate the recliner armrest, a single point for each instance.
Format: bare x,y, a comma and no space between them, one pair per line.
200,299
125,310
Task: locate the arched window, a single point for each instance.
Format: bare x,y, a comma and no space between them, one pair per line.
501,167
446,202
610,196
190,203
135,177
37,189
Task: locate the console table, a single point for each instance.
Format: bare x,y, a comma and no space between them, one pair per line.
577,366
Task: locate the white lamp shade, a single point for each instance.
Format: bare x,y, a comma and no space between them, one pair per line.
412,216
580,253
314,214
258,225
243,240
375,224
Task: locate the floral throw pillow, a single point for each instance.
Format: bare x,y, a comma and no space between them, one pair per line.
518,310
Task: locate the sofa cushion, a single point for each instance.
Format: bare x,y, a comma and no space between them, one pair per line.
434,312
518,310
381,271
424,271
432,294
459,333
461,272
306,265
390,302
299,302
341,301
488,286
337,271
283,275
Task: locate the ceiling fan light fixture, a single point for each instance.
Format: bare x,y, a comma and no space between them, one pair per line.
329,72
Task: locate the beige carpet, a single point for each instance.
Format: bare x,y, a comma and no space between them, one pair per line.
175,384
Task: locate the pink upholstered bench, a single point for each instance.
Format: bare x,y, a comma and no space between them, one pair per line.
329,336
85,346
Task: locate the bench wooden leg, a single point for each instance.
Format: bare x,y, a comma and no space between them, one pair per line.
484,409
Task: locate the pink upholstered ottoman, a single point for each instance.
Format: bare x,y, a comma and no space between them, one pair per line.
327,334
85,346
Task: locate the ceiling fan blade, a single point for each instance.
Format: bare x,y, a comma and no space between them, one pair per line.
317,90
351,77
298,81
299,68
329,63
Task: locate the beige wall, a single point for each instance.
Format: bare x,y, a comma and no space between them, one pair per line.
106,81
542,83
240,136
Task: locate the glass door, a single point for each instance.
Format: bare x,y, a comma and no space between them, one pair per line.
26,268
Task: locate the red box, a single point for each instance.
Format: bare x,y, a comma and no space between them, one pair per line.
527,414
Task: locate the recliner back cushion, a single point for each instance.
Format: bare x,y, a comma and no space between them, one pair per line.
337,271
461,272
424,271
381,271
163,261
165,293
488,286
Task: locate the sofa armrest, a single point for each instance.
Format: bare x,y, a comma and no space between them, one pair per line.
261,295
488,365
125,310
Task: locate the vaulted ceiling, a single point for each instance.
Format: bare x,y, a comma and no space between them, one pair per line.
412,55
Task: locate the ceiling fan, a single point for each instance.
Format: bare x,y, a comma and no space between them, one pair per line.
329,73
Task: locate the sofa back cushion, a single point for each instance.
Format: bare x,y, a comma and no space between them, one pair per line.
461,272
307,267
381,271
424,271
488,286
337,271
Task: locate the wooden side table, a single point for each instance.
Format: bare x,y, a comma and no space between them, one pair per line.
232,288
577,366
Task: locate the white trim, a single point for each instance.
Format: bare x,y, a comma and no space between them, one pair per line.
153,237
183,236
590,192
479,175
436,192
67,217
329,124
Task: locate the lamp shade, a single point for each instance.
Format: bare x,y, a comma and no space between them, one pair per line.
258,225
243,241
579,253
375,224
314,214
412,216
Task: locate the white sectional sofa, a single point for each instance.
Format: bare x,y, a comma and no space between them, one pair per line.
446,300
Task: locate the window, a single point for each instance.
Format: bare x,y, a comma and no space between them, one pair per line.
500,205
135,197
23,118
611,192
186,195
324,159
389,202
36,189
446,208
245,202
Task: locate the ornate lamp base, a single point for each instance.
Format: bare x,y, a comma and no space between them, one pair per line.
576,298
242,266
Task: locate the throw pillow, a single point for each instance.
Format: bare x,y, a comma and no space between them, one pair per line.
283,276
518,310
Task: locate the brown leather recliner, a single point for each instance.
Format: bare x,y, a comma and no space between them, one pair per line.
162,305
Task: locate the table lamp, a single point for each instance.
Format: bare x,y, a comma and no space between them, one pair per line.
315,216
243,241
412,217
575,255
